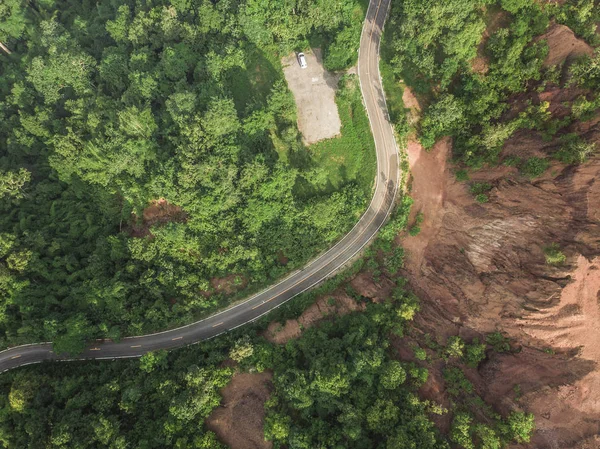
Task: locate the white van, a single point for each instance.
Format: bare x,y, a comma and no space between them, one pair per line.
302,60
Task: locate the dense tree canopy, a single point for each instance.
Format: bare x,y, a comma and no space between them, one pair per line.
107,106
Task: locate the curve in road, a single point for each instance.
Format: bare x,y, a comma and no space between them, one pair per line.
386,186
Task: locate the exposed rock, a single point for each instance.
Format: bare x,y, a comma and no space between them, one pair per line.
563,45
481,267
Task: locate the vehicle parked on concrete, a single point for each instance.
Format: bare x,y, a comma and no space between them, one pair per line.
302,60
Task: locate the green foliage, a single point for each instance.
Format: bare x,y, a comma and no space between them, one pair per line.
535,167
416,227
104,110
581,16
116,404
456,382
518,427
474,353
574,150
337,387
444,117
498,342
584,108
460,432
420,353
13,20
553,254
480,189
242,349
153,360
455,347
433,46
585,72
11,183
462,175
481,198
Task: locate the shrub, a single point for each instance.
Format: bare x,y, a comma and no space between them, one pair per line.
454,347
457,382
518,427
474,353
574,150
534,167
480,187
462,175
554,256
482,198
498,342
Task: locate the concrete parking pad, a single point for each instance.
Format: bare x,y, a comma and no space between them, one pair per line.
314,91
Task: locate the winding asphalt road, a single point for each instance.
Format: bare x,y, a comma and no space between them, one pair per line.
388,176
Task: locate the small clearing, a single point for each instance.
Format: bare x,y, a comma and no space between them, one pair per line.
314,91
239,420
337,303
229,284
160,211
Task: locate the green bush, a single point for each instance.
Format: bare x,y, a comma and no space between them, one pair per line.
462,175
498,342
474,353
554,256
574,150
535,167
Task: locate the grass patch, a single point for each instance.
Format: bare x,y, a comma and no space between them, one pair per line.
350,157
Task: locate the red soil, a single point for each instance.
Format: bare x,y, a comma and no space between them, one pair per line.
239,421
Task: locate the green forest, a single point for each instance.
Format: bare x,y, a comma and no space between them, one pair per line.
340,385
109,107
431,46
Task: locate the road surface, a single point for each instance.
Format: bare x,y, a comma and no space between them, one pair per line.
386,186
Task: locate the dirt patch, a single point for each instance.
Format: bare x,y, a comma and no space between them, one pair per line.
427,190
563,45
495,21
314,91
481,268
281,258
239,420
336,303
160,211
412,103
229,284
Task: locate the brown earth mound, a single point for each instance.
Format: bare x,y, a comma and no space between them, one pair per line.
239,420
338,303
159,211
563,45
228,284
481,268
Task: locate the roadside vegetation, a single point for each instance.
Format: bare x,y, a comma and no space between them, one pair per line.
107,108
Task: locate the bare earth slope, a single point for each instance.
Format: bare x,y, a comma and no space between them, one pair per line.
481,267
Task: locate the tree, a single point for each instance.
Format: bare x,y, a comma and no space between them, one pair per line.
518,427
242,349
152,360
11,183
